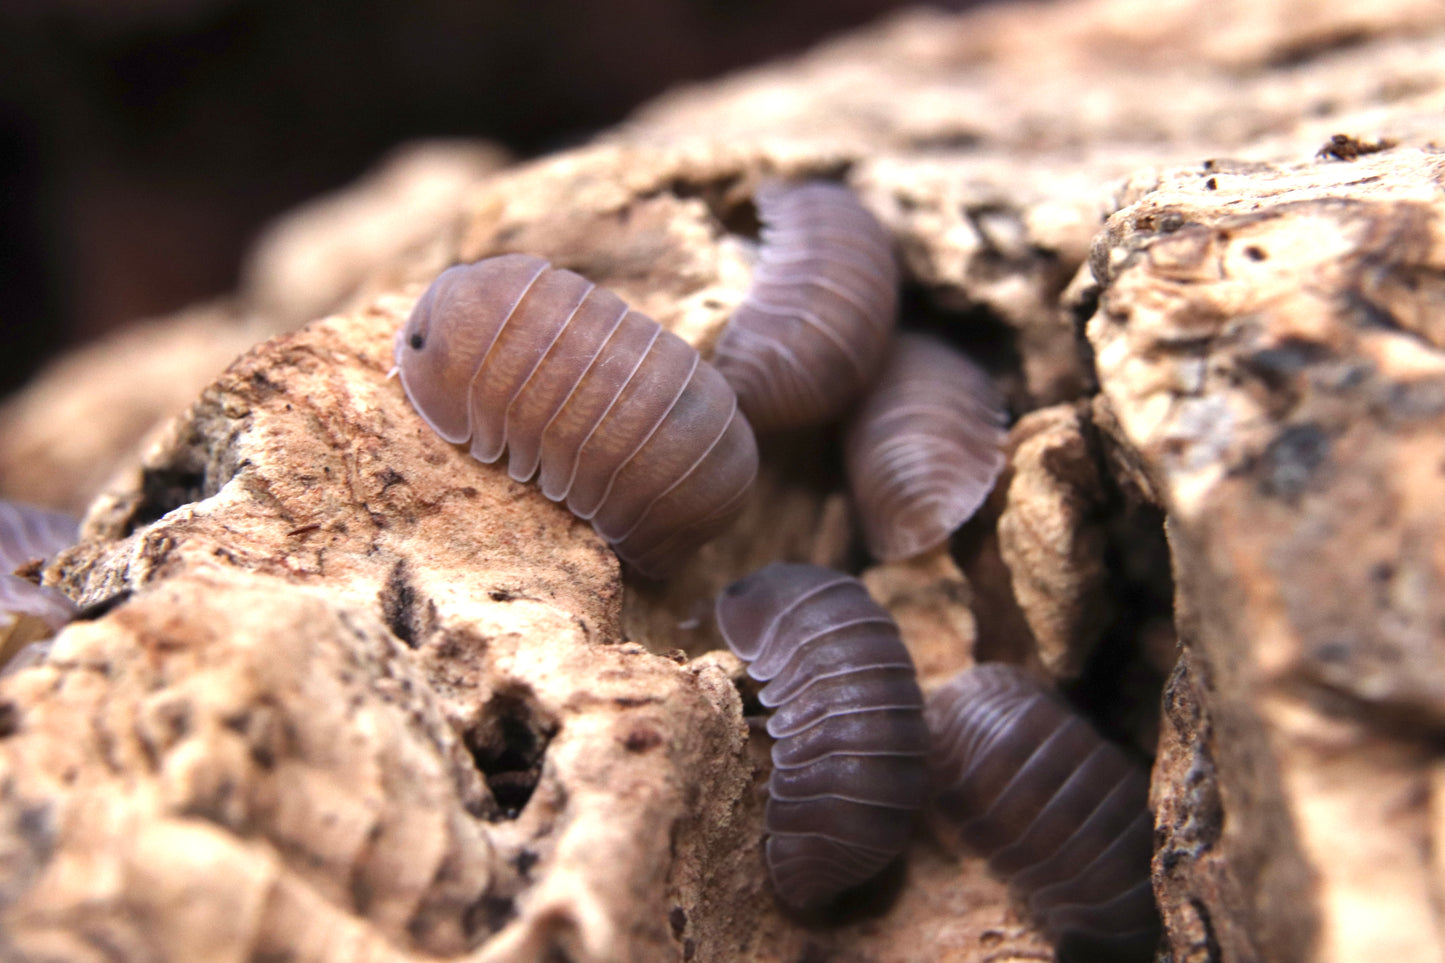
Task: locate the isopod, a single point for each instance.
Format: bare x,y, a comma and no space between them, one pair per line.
814,328
850,761
1059,811
924,448
30,613
617,417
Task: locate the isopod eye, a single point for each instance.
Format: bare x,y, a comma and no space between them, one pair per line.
739,587
417,342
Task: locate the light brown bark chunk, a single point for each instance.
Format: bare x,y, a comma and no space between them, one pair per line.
360,697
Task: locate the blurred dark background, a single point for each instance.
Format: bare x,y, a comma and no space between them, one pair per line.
144,142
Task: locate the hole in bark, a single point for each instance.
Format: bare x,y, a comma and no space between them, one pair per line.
976,332
1292,461
741,219
1160,222
1121,687
748,689
489,914
642,738
193,470
1206,923
399,606
1276,366
104,607
736,216
164,490
737,213
508,745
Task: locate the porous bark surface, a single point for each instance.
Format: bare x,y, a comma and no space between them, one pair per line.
344,693
1272,355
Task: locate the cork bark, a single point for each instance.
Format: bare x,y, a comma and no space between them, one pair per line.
341,692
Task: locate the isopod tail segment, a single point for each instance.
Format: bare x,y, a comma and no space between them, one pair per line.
1060,812
610,413
850,756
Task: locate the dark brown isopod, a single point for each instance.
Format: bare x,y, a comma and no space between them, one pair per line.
923,449
30,612
619,418
850,762
1059,811
814,328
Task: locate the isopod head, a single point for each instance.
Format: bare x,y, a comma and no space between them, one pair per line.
437,361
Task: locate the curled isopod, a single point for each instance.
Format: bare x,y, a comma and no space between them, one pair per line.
617,417
1058,810
850,761
814,328
30,613
924,448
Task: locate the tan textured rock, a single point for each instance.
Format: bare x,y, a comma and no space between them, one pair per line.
932,603
1265,346
1052,538
351,695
